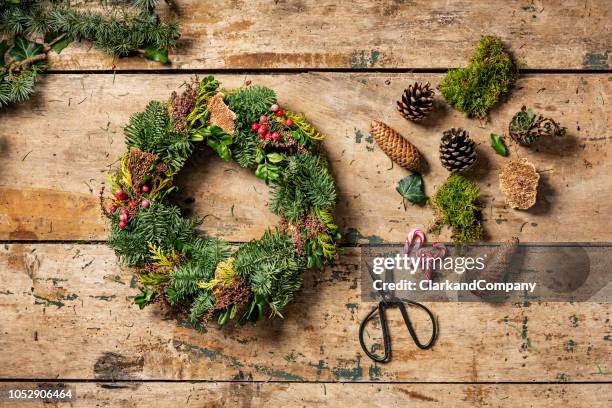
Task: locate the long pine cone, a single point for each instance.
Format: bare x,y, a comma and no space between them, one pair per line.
400,150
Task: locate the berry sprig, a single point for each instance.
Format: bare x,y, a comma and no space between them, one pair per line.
272,129
125,205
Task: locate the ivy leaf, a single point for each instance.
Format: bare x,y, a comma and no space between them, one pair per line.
497,143
156,54
4,46
24,49
61,44
411,188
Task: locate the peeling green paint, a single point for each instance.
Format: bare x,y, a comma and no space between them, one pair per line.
374,372
499,221
570,345
370,141
133,282
283,375
290,358
353,236
562,377
361,59
352,306
39,300
207,353
351,374
593,60
573,320
522,332
358,135
106,298
320,366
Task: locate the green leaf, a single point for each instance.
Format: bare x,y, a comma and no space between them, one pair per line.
24,49
267,172
156,54
275,157
411,188
59,45
222,150
144,298
497,143
4,46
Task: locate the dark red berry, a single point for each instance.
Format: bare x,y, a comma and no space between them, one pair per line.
144,189
263,129
275,136
123,211
263,119
145,203
122,224
279,113
261,136
113,208
119,195
123,217
289,122
254,126
131,205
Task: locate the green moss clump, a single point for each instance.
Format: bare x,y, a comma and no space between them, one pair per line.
490,73
457,204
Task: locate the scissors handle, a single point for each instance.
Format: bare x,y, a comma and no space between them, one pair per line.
381,307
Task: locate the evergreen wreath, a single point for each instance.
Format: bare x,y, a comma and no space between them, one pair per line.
204,276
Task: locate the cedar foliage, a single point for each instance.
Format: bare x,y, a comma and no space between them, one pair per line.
32,28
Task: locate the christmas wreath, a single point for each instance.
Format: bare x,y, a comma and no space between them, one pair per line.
205,277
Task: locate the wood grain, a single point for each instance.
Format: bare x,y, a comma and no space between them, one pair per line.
238,34
67,312
246,395
56,149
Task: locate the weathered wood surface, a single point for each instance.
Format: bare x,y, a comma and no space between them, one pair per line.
221,34
67,312
246,395
55,151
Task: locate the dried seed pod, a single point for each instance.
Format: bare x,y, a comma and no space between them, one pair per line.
220,114
519,180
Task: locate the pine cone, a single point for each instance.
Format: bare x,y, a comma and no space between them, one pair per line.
395,146
457,150
496,268
416,101
527,127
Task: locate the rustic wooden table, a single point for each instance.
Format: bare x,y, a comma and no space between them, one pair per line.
66,309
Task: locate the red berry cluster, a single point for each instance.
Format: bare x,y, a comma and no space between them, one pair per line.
264,127
126,205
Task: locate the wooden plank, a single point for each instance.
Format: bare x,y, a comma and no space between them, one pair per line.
221,34
67,312
161,395
56,148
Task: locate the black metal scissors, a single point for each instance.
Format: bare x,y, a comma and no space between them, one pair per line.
390,300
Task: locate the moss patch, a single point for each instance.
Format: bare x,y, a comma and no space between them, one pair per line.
491,72
457,204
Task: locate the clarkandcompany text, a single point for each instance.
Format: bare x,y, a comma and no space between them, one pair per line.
427,285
